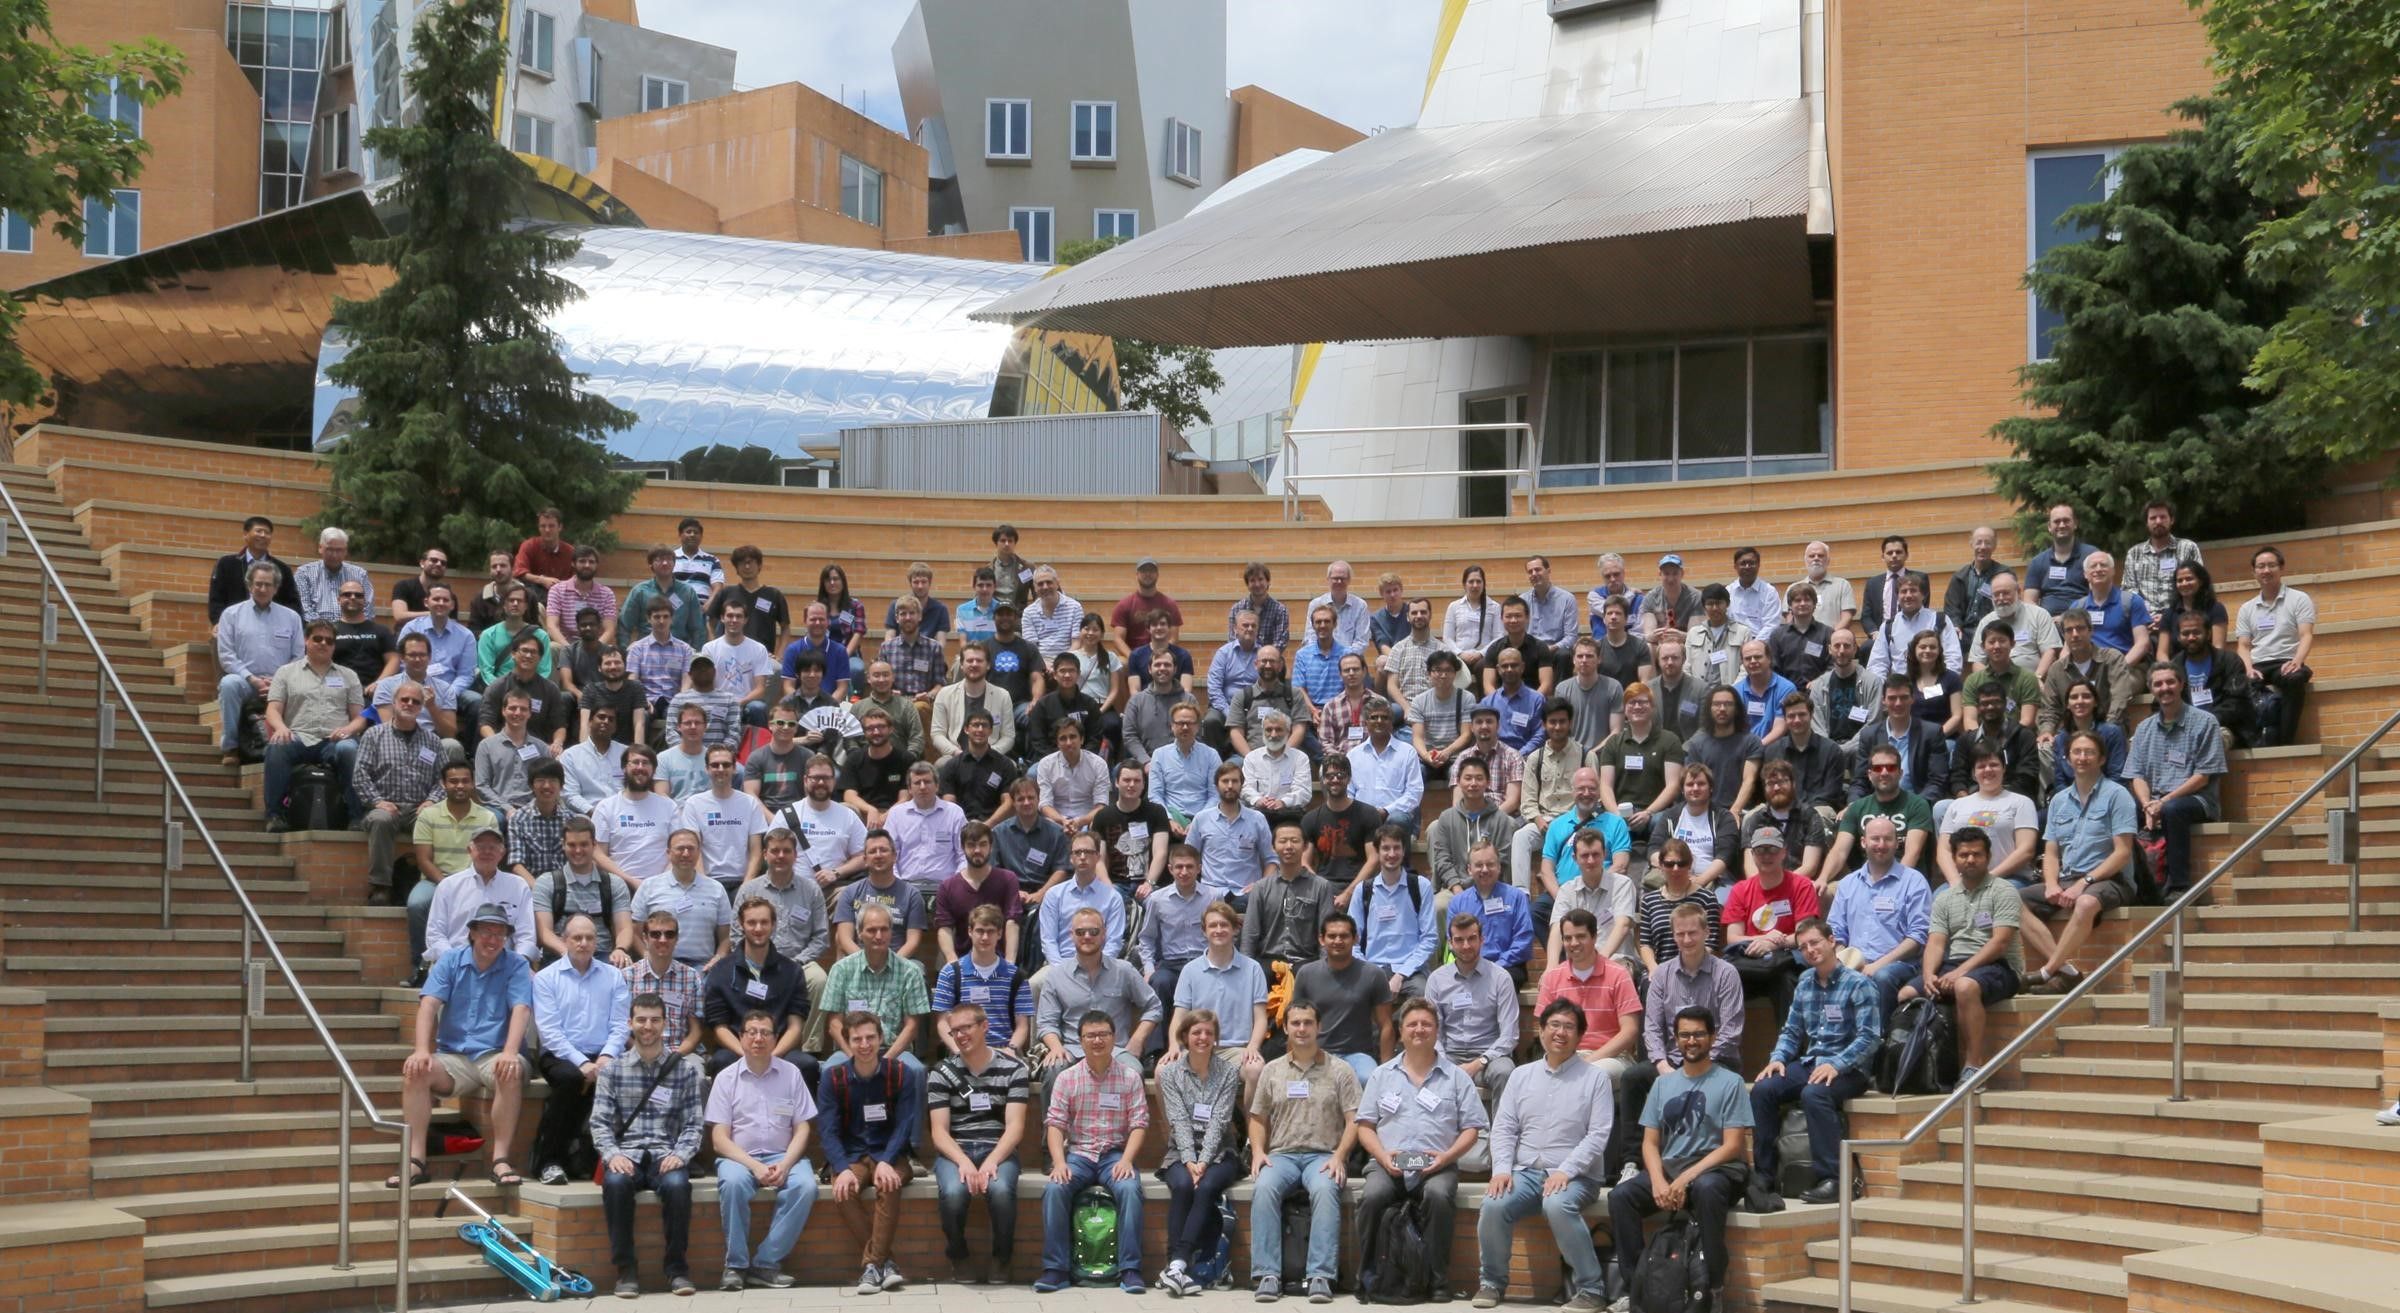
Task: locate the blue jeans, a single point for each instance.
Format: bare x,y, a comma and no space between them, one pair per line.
999,1203
1287,1172
281,757
736,1186
1821,1104
1058,1215
233,693
1563,1211
1362,1063
1891,978
420,914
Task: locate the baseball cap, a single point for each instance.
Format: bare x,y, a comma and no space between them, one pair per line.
1146,563
484,829
1767,837
1671,558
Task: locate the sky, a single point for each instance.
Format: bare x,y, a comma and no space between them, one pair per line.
1359,61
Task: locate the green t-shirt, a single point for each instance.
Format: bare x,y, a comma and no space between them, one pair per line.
2023,688
1969,919
1641,763
1910,809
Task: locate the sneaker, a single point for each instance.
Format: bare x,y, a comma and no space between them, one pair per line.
681,1286
1623,1304
1487,1297
892,1280
1965,1074
1631,1171
2389,1116
554,1175
1270,1289
731,1282
629,1288
870,1282
773,1278
1132,1284
1320,1290
1587,1302
1049,1283
278,825
1175,1283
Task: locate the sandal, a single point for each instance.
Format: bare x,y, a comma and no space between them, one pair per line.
504,1175
419,1175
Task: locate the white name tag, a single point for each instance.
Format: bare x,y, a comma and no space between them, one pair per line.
992,781
979,1102
674,601
1025,576
1036,855
2202,696
1930,690
1720,657
334,681
1296,1090
756,989
1203,1111
529,752
1885,905
1112,1102
2099,618
1635,761
537,706
662,1097
1429,1099
1135,832
875,1112
1833,1014
1813,649
1389,1103
1520,719
1860,714
1387,912
2058,574
2178,760
1760,708
1781,907
1494,905
428,756
1983,920
762,605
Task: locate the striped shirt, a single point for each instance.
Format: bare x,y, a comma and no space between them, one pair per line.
894,994
1000,990
568,596
917,666
404,769
978,1102
1053,631
667,1123
1658,920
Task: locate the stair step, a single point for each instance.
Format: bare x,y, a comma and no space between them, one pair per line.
2041,1224
379,1151
2095,1186
2223,1073
2110,1144
193,1253
1875,1297
369,1279
2324,1041
2013,1268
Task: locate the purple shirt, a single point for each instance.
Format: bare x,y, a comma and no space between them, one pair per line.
761,1110
927,841
956,900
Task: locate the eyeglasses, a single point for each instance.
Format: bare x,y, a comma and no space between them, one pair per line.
783,724
664,934
1086,930
1674,866
1885,769
354,597
320,638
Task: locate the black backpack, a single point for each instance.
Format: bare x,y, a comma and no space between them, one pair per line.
1401,1268
558,908
1295,1238
1798,1174
315,801
1919,1054
1672,1274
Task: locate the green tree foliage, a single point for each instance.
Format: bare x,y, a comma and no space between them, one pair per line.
1150,376
2144,395
2316,87
59,153
720,463
469,420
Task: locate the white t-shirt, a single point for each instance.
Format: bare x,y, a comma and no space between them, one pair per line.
1698,833
828,838
725,826
738,666
634,831
2000,817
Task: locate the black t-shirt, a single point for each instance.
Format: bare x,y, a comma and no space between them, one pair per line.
582,661
976,784
627,698
1339,839
360,647
1013,665
766,604
551,713
1622,664
879,782
412,591
778,776
1122,835
1347,1001
1536,652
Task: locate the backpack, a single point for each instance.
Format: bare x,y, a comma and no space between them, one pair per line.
1366,902
841,1083
1672,1273
1919,1054
315,801
1401,1266
1798,1174
2149,858
1296,1217
1094,1230
558,905
1214,1263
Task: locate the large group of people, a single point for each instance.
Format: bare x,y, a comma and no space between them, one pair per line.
768,886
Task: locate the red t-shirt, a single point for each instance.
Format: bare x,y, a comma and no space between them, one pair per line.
1605,997
554,562
1137,632
1758,909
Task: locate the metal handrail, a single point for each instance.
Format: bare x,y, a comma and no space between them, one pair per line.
2170,918
1292,477
252,995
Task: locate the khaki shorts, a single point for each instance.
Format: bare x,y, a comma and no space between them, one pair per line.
471,1078
2111,892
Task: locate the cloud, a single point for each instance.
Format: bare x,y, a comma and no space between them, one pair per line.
1360,61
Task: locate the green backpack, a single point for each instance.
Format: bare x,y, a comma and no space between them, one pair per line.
1095,1231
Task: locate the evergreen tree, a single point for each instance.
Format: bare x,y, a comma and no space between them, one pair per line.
2144,395
468,420
1151,376
61,153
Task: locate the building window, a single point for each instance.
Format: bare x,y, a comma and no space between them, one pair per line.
1116,223
119,105
1008,129
333,136
535,135
1183,152
1095,137
337,41
282,50
1721,408
664,93
113,229
862,192
2055,182
16,234
537,44
1035,228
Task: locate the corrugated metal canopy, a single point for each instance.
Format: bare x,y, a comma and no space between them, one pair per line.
1645,221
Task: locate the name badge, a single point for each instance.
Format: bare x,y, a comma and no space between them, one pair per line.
2099,618
1136,832
674,601
762,605
1781,907
1690,709
537,706
1025,576
2058,574
1930,690
1983,920
1860,713
1833,1014
2263,623
1813,649
1429,1099
1296,1090
529,752
756,989
661,1097
1389,1103
979,1102
1036,855
334,681
1112,1102
1203,1111
1635,761
428,756
1720,656
1520,719
1492,906
1388,912
2202,696
1760,708
2177,760
875,1112
992,781
1885,905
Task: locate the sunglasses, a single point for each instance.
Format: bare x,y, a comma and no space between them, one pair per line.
1675,866
665,934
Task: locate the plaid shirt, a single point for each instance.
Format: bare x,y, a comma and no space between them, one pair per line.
680,987
404,770
1098,1114
659,666
893,994
2151,572
537,842
666,1123
1503,763
1840,1023
917,665
1274,620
